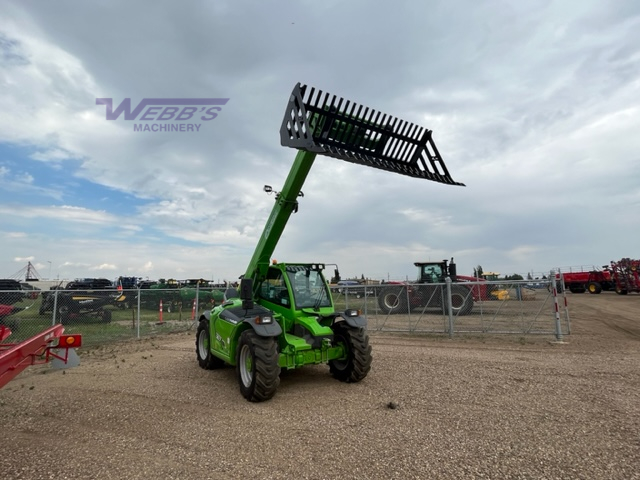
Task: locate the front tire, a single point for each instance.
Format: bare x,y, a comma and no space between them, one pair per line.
257,366
206,359
358,362
594,287
393,300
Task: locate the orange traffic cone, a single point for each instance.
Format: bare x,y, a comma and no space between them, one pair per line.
160,314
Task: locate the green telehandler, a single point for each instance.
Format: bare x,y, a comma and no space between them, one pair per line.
283,316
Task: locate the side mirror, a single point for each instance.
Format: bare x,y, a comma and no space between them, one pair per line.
246,293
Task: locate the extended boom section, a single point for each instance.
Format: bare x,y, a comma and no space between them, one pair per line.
322,123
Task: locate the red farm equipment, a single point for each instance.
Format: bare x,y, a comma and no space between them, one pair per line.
593,281
625,274
401,297
42,348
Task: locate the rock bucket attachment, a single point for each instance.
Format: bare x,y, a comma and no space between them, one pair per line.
318,122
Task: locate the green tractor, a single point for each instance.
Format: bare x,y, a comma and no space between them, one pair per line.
283,317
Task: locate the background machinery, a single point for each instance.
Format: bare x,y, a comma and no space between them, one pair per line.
174,294
593,280
625,275
284,316
428,291
622,276
81,300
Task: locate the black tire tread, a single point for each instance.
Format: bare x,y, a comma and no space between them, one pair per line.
468,300
401,293
210,362
266,368
358,356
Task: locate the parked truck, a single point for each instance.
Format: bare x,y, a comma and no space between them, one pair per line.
284,315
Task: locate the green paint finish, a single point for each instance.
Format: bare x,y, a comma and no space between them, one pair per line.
286,203
297,294
311,324
315,356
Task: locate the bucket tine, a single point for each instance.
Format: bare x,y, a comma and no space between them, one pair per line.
318,122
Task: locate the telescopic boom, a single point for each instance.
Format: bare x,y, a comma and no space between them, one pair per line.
318,123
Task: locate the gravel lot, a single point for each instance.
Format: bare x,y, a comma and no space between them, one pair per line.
472,407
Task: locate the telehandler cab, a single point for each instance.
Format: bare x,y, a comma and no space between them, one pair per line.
284,316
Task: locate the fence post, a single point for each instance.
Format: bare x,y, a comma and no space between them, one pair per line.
449,306
55,307
555,302
197,302
566,307
138,320
406,291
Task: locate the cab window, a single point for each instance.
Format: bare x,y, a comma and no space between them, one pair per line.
309,287
274,289
431,273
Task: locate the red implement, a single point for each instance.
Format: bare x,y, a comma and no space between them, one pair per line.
16,357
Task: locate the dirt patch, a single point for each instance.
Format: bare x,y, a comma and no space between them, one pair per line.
471,407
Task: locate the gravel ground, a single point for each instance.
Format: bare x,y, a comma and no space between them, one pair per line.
473,407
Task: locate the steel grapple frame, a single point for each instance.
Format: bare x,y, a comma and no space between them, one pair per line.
318,122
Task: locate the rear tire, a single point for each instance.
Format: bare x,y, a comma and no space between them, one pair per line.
393,300
257,366
358,362
206,359
461,300
594,288
621,291
106,316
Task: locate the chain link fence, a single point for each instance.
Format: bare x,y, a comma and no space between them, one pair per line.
483,307
102,316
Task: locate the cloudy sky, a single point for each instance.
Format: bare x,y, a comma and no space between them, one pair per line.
534,106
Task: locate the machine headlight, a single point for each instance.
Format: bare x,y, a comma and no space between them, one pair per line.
264,320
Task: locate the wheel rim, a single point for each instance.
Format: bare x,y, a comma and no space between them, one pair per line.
246,366
203,344
391,300
341,364
457,301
